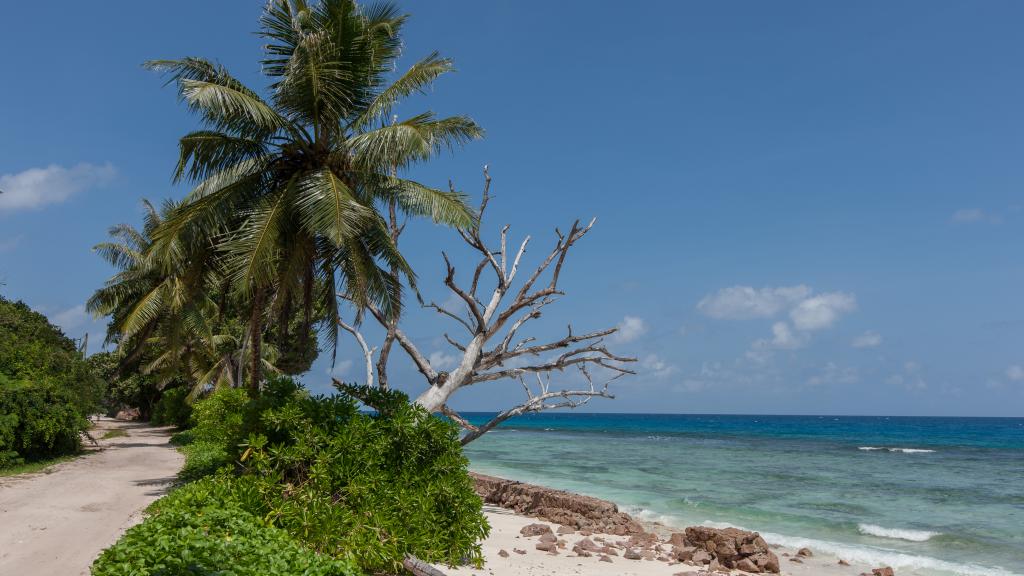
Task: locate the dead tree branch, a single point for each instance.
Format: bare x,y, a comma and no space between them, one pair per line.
494,350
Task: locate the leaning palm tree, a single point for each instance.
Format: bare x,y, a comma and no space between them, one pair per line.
290,188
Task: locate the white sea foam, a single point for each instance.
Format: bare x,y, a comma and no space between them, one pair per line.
877,556
897,533
896,449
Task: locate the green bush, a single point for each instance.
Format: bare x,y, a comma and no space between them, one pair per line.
383,485
206,536
371,488
173,408
46,388
221,417
203,458
36,422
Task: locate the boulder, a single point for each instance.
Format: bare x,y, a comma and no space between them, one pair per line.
548,537
535,529
883,571
805,552
130,414
677,539
631,554
566,530
503,553
547,547
588,545
730,547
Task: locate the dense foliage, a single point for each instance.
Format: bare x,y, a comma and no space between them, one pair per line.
345,484
194,533
46,388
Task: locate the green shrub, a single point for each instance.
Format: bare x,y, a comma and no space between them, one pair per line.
173,409
342,483
221,416
205,536
46,388
385,486
36,422
203,458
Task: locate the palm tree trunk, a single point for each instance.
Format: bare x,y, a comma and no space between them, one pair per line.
255,342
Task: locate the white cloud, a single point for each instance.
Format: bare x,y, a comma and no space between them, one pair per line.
821,311
868,339
656,367
783,338
630,329
746,302
442,361
340,368
911,377
36,187
71,318
1015,373
833,374
974,215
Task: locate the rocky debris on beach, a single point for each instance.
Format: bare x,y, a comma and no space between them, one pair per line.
805,552
730,547
714,549
883,571
565,508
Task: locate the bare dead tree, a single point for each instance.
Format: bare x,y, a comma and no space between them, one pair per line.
493,350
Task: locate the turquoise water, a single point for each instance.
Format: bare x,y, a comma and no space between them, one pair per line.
928,496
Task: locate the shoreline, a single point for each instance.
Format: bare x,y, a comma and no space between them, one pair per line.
571,518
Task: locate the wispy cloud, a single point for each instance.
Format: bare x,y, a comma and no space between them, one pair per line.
832,374
747,302
654,366
35,188
975,215
911,377
630,329
868,339
820,312
1015,373
72,318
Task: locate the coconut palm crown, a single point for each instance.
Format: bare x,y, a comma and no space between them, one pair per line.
290,188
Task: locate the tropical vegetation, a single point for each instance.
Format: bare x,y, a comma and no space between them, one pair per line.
47,389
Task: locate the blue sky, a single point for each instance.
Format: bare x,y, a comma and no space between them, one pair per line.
802,207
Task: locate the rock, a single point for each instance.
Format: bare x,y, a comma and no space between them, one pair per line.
797,560
609,551
747,565
582,552
588,545
130,414
503,553
648,555
843,562
535,529
805,552
604,559
566,530
564,508
547,547
518,551
883,571
548,537
677,539
644,539
729,547
684,553
630,554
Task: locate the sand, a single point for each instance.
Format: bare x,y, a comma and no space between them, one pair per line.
505,526
56,522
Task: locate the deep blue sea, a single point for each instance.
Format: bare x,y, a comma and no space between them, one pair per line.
928,496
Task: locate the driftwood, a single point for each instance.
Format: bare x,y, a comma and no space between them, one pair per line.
418,567
492,319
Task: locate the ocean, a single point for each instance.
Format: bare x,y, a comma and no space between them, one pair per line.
927,496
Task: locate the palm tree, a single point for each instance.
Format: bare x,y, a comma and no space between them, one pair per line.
290,188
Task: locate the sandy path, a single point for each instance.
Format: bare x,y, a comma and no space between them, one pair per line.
57,522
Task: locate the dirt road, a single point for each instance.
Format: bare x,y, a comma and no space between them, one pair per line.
56,522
